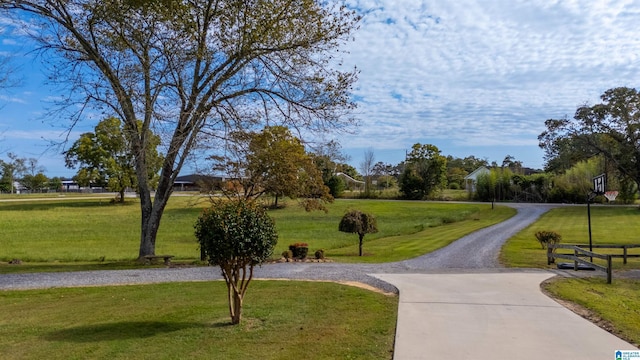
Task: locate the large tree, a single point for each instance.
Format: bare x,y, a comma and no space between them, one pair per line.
425,171
610,128
274,162
104,158
194,65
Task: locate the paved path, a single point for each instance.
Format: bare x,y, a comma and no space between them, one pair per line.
455,303
491,316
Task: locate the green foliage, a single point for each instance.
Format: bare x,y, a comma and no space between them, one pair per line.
548,238
336,186
11,171
576,183
356,221
105,157
495,185
425,172
236,232
35,183
236,236
628,191
387,182
501,184
608,129
274,162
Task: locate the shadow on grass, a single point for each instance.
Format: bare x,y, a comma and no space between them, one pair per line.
124,330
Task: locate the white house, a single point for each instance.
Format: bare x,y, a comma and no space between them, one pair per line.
471,180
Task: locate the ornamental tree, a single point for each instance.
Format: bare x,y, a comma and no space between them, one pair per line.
357,222
236,235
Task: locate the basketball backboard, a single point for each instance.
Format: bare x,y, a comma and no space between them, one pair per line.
600,184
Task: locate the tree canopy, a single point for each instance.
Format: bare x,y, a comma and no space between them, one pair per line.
610,129
425,171
274,162
195,68
105,158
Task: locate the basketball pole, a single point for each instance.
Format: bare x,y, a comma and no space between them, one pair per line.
589,198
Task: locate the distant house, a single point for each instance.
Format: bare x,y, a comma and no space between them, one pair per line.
471,180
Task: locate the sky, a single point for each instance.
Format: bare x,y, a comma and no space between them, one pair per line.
473,77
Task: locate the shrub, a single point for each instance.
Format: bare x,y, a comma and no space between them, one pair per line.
287,254
546,238
319,254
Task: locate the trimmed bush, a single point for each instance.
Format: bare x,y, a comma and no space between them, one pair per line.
319,254
546,238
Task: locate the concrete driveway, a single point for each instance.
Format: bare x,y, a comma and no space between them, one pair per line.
488,315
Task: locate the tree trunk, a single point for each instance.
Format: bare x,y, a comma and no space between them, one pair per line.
361,236
122,195
236,305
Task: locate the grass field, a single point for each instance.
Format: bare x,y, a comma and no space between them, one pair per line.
616,303
282,320
90,232
609,225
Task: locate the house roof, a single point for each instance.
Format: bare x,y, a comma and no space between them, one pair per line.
474,175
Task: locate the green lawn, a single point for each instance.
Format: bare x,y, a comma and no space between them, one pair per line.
93,232
609,225
282,320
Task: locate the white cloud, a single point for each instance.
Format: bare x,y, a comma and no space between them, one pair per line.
472,72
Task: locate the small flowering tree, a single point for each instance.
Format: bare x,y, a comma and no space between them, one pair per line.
236,236
358,222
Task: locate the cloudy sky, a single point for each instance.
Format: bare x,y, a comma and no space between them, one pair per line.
473,77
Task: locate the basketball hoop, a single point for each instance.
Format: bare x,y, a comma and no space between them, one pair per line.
611,195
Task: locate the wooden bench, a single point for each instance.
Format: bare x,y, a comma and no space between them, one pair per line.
152,258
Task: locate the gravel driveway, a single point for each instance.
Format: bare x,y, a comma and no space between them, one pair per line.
476,252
